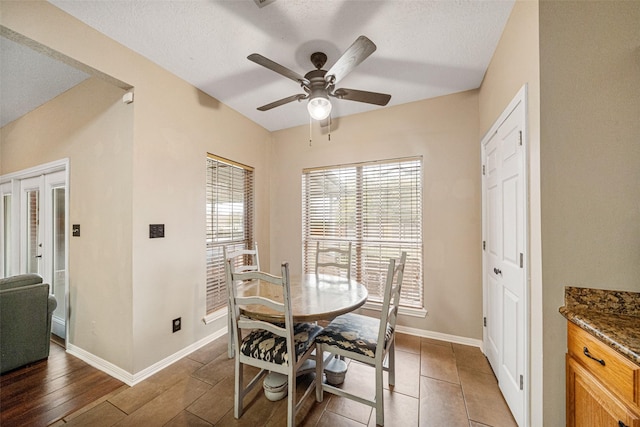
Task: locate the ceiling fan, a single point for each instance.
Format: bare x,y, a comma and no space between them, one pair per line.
319,84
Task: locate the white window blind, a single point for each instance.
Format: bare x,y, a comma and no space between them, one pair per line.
378,208
229,221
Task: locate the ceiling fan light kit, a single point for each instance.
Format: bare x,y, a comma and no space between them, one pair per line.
319,107
319,84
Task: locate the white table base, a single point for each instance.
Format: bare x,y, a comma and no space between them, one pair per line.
335,370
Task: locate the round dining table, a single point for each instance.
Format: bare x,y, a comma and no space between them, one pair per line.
313,297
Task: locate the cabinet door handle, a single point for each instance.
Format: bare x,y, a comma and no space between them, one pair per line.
585,350
621,424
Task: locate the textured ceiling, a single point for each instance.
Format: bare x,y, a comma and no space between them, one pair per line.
424,48
29,79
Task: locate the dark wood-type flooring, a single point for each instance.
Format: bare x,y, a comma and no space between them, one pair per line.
46,391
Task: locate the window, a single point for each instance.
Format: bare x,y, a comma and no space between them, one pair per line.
229,221
378,207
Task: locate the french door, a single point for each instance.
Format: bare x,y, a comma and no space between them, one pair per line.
33,224
31,232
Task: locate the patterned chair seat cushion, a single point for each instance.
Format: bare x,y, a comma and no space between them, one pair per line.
264,345
355,333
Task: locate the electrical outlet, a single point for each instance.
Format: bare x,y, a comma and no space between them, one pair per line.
177,324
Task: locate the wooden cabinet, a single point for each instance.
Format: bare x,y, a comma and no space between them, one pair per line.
603,387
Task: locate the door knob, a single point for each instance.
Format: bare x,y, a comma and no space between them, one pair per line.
497,271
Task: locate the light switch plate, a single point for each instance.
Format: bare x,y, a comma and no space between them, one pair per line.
156,231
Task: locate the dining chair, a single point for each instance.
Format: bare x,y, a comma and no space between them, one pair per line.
243,260
329,259
365,339
281,347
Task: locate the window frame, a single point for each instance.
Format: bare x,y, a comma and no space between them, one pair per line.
240,183
352,213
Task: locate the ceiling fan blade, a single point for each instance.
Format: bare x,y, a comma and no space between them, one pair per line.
361,96
280,69
288,99
354,55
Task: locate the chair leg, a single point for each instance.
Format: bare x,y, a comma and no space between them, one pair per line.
239,393
379,398
291,398
392,363
230,350
319,372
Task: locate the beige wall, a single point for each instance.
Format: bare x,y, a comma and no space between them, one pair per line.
514,64
175,127
590,161
163,168
444,131
91,127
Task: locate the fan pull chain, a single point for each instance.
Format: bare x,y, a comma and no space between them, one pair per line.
329,127
309,131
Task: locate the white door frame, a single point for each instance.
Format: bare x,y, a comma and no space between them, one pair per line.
6,189
11,184
520,98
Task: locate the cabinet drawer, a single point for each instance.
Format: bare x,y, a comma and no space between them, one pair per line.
612,369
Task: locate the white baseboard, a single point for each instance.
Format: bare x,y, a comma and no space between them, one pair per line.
440,336
58,327
133,379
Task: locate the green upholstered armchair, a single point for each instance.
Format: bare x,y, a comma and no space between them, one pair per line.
26,308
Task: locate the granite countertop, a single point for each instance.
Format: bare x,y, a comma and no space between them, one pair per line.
611,316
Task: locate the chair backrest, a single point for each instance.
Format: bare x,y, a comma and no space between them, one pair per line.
331,258
235,279
243,259
391,301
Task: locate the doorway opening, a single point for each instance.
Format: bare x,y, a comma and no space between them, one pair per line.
34,206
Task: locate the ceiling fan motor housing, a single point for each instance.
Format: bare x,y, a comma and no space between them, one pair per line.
317,84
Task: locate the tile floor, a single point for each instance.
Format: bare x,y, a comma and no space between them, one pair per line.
437,384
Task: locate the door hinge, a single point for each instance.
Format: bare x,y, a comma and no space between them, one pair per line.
520,136
521,260
484,245
484,321
483,170
521,383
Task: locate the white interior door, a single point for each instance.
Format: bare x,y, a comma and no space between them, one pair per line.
492,214
33,224
55,254
504,218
